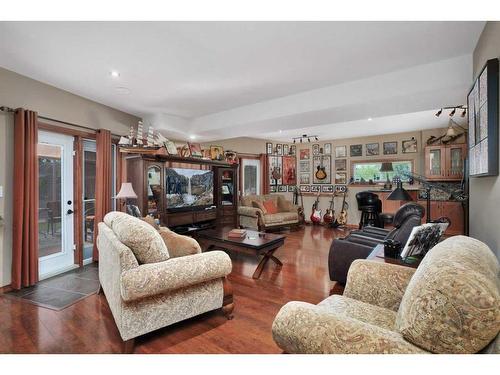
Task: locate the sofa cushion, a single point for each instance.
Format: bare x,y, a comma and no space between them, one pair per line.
144,241
271,207
260,206
452,303
364,312
281,217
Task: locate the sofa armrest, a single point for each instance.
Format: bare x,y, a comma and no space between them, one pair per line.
377,283
249,211
179,245
157,278
302,328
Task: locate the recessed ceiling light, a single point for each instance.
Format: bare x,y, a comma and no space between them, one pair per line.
280,131
369,119
192,136
122,90
114,74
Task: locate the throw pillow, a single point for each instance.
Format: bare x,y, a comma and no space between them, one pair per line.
151,221
179,245
260,206
270,207
144,241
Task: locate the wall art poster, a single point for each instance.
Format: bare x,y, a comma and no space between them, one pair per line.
340,151
322,169
289,170
305,154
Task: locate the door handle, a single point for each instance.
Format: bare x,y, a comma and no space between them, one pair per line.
69,212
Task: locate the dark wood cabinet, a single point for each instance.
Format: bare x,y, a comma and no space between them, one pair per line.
445,162
147,173
452,210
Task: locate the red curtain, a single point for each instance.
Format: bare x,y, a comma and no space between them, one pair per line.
25,215
102,182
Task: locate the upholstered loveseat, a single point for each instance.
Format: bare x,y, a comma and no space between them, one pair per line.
450,304
254,215
152,279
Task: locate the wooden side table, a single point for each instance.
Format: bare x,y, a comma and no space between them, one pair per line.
377,255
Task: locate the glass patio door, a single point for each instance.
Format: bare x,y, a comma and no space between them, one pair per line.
55,210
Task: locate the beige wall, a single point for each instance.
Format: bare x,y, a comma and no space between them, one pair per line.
19,91
256,146
485,191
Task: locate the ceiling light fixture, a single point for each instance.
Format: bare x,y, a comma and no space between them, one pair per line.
115,74
369,118
464,113
303,138
452,113
453,109
192,136
438,113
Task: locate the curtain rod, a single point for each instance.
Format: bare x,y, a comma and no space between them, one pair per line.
12,110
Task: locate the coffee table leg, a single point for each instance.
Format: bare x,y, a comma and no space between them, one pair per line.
263,262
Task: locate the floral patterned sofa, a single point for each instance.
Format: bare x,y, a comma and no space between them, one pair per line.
450,304
154,278
258,219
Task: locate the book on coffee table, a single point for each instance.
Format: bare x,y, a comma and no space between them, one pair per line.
237,233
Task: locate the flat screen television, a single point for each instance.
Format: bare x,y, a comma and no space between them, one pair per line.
189,189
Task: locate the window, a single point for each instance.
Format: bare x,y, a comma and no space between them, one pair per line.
370,170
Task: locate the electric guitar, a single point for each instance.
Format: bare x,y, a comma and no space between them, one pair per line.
320,173
330,212
342,219
297,193
316,212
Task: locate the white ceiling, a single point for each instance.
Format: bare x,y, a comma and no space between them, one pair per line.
228,79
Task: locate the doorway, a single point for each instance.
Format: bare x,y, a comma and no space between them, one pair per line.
55,211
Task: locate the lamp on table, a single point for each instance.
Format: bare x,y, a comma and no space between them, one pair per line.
126,192
387,167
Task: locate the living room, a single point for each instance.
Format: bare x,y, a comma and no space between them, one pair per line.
251,187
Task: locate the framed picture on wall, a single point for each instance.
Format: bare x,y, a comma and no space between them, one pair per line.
171,148
293,150
275,170
340,151
291,188
315,189
273,188
327,148
341,164
285,149
305,179
305,188
340,178
410,146
315,149
327,189
289,170
269,148
279,149
282,188
356,150
322,167
390,148
216,152
305,154
305,166
195,149
372,149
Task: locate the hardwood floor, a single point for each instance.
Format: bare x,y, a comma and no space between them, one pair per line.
88,326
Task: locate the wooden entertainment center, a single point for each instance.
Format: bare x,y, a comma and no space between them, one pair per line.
148,175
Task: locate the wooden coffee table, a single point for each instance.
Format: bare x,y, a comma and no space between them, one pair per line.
254,243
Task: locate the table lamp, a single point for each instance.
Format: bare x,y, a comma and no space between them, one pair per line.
126,192
387,167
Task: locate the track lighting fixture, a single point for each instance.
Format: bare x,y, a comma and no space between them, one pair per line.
303,138
454,108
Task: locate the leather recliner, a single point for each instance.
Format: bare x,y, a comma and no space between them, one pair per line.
360,243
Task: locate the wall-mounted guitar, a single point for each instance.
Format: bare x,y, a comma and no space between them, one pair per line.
342,218
329,217
316,212
320,172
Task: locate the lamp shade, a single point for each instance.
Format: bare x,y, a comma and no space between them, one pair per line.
400,194
126,191
386,167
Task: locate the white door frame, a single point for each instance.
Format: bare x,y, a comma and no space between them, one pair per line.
54,264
